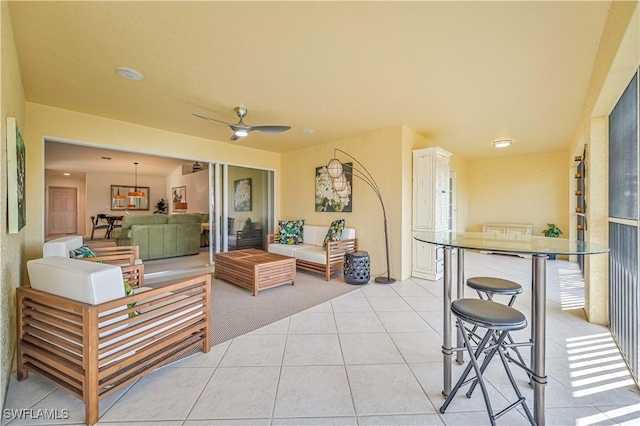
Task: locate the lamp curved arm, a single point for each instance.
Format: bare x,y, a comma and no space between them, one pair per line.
363,178
366,177
369,179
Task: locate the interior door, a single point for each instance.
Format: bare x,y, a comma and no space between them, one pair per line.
63,211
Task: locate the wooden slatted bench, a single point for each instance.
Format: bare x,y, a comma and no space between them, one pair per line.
77,329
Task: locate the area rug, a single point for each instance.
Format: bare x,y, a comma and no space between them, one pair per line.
235,311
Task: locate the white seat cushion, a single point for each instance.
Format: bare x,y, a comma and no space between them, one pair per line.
314,235
61,246
348,234
313,254
87,282
286,249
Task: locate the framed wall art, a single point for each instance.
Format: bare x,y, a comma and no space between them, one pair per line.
120,199
179,198
16,176
327,200
242,195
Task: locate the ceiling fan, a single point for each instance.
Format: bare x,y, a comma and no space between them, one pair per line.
240,129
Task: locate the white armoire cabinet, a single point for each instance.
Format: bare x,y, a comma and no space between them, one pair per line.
430,209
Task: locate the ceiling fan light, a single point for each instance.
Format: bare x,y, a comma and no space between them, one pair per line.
502,143
241,133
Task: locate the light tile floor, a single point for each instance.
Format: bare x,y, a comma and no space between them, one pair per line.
371,357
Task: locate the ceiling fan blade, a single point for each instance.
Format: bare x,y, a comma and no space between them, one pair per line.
242,128
212,119
270,129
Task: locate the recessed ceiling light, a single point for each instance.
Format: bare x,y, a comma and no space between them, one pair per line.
129,74
67,174
308,131
502,143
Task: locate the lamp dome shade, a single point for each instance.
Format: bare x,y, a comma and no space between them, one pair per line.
342,194
340,183
334,168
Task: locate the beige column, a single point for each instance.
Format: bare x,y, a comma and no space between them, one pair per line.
597,196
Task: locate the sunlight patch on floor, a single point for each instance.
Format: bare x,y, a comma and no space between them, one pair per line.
571,288
595,365
624,416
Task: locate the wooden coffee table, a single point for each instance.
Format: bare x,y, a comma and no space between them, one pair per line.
255,269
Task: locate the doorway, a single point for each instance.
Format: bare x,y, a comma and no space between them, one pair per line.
63,211
208,190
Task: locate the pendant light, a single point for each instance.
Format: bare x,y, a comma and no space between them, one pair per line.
119,196
136,193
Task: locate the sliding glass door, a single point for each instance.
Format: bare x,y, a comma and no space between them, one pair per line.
248,197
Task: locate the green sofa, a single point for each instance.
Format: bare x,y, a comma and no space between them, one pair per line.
159,235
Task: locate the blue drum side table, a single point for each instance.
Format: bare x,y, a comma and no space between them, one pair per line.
356,267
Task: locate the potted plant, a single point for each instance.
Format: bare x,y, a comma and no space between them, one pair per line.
552,231
161,207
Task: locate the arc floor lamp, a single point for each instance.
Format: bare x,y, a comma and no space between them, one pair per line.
338,174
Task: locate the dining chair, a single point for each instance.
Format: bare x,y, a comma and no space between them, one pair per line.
100,222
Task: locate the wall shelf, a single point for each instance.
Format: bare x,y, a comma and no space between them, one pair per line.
581,202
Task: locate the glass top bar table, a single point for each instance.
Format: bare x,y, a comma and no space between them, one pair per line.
539,248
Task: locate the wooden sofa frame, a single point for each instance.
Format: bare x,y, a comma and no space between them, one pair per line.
68,343
116,255
122,255
334,260
245,240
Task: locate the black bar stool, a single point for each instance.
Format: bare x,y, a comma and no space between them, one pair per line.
490,286
498,320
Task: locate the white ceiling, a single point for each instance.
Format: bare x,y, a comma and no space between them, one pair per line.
77,159
460,73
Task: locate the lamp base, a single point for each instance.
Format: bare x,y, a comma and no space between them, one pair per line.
385,280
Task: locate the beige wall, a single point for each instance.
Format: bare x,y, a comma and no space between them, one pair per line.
461,166
12,104
381,153
410,141
99,193
617,60
62,125
387,154
526,189
197,187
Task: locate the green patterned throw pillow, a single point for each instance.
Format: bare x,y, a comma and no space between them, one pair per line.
82,253
291,231
334,233
127,291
